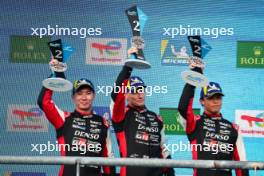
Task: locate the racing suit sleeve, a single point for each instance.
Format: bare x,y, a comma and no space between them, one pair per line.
185,106
118,103
239,154
107,152
55,116
165,154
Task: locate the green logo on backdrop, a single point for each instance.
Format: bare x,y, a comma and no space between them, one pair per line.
171,121
29,49
250,54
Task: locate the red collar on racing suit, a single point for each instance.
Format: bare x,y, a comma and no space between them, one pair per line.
213,116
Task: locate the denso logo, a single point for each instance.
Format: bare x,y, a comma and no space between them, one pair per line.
217,136
149,129
87,135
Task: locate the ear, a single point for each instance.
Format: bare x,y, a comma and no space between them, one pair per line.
72,97
202,102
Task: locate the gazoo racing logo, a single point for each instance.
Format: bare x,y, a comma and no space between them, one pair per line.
32,114
111,48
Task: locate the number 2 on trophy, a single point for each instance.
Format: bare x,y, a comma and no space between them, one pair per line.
136,28
197,49
59,55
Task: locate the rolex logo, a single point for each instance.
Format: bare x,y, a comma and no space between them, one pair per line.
257,50
30,46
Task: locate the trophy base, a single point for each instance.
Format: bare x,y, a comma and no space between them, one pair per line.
136,63
57,84
194,78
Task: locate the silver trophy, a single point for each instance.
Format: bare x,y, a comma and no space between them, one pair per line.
192,77
58,82
137,21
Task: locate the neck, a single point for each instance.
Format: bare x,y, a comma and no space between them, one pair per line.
136,107
211,114
84,111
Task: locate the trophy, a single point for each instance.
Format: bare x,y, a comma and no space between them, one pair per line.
192,77
137,21
60,53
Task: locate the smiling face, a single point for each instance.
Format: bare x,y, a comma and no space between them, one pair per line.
213,104
83,99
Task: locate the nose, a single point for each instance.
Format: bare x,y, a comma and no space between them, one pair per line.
140,95
83,97
216,101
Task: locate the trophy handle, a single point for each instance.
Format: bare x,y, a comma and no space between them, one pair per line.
140,55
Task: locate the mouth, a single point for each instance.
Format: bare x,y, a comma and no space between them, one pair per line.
140,101
216,108
84,103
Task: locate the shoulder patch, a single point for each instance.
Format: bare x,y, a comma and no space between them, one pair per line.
106,122
159,118
126,109
197,117
235,126
67,114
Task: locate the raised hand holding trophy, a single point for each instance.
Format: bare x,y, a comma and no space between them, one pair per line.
60,53
137,20
192,77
